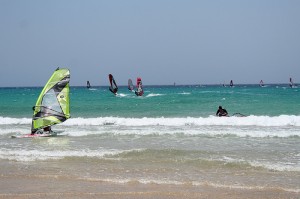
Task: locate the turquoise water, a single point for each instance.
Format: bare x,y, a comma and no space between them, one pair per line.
168,136
162,101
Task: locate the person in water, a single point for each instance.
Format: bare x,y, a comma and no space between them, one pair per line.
47,129
139,91
40,131
222,112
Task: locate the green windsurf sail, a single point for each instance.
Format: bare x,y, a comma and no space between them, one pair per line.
53,105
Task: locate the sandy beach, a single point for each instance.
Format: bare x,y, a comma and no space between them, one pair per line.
21,181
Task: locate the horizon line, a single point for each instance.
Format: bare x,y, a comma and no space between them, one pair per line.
227,85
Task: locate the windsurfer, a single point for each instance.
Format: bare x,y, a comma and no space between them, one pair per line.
291,83
33,131
113,86
222,112
40,131
139,91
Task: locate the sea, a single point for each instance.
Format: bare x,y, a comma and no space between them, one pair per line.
169,136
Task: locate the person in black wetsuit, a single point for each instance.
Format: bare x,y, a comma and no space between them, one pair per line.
41,131
47,129
222,112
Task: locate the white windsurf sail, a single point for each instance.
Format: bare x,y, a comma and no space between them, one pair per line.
130,85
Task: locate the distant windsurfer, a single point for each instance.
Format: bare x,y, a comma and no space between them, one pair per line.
291,83
130,85
261,83
222,112
113,86
139,91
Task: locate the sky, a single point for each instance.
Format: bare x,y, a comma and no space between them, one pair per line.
161,41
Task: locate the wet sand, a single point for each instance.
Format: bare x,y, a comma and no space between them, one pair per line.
17,182
68,187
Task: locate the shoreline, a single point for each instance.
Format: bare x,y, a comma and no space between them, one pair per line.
58,188
25,185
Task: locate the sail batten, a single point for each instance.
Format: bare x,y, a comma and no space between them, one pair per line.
52,106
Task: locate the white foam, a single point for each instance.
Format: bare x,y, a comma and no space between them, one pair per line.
9,120
194,183
278,166
252,126
267,121
184,93
154,95
284,166
33,155
121,95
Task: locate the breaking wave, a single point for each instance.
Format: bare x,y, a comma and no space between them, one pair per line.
264,121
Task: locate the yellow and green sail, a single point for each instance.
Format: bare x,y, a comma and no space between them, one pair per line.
53,105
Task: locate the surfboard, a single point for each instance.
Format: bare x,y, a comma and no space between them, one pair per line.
36,135
52,106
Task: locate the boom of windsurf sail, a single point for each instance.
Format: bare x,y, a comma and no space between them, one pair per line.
113,86
139,86
88,85
53,104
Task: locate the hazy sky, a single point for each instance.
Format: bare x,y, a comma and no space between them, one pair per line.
162,41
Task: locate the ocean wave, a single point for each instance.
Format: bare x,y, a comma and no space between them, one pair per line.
169,156
186,183
33,155
9,120
252,126
264,121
